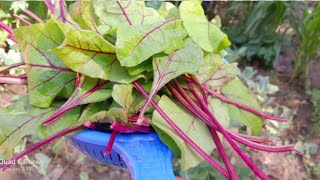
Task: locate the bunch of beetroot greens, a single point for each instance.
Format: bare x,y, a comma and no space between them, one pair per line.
122,66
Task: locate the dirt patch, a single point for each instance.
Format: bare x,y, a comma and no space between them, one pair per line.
285,166
313,74
10,92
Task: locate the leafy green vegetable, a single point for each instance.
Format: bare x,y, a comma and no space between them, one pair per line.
237,91
220,111
145,66
112,115
128,99
91,91
136,44
214,73
196,130
88,53
122,94
82,13
93,56
185,60
21,119
47,76
168,10
90,110
113,14
206,34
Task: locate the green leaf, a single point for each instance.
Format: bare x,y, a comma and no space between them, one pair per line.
22,119
112,115
91,91
82,12
219,111
145,66
90,110
113,14
185,60
206,34
168,10
47,76
136,44
88,53
214,73
130,100
122,94
195,129
236,91
166,139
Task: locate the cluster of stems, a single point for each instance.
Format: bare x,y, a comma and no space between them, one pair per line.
198,105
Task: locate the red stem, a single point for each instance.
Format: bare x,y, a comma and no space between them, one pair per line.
62,15
41,143
203,93
244,141
243,106
176,128
250,141
12,66
111,142
31,14
6,28
129,129
13,80
24,21
243,156
71,103
50,6
232,173
78,80
221,150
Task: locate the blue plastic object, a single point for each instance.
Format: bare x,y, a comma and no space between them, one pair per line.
146,157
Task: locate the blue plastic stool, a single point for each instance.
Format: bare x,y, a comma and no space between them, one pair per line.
146,157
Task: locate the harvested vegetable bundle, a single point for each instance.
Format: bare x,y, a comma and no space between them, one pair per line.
125,67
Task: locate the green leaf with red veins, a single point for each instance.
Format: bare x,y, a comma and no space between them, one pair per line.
206,34
214,73
236,91
168,10
21,119
190,125
88,53
47,76
165,68
183,61
113,14
91,91
82,13
135,44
